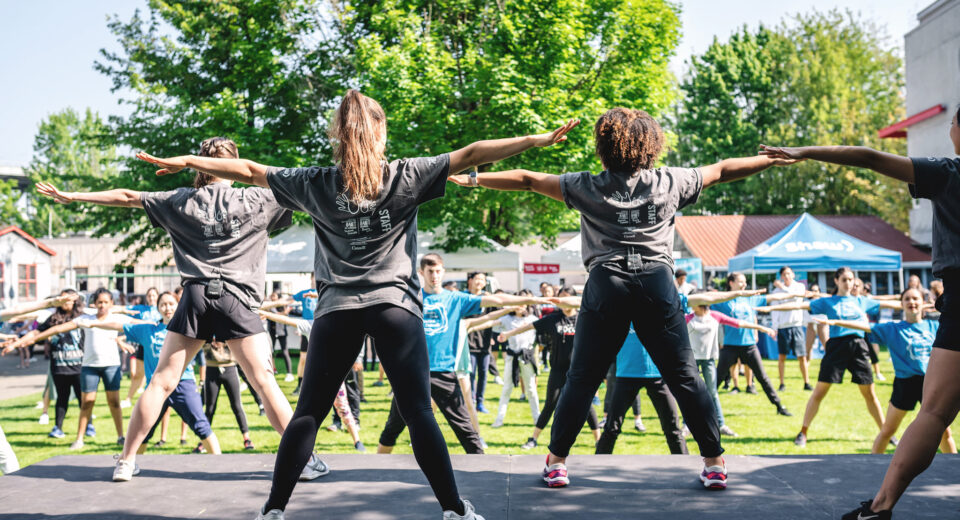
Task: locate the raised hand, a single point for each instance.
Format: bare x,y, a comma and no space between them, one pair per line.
557,136
461,180
64,298
501,338
783,153
49,190
751,292
168,166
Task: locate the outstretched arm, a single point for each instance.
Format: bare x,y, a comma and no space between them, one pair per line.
504,336
279,318
484,152
891,165
729,170
28,308
487,320
855,325
711,298
516,180
499,300
119,197
742,324
803,306
239,170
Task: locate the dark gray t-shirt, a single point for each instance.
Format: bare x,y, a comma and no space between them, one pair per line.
366,254
629,217
219,232
938,179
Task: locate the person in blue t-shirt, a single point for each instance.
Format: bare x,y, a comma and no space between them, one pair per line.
184,399
910,343
442,312
741,343
148,311
845,351
635,370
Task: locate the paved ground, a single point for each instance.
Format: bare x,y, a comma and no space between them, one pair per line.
16,382
370,487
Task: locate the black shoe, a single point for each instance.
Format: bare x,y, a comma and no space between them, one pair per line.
751,389
800,440
360,447
726,385
735,390
296,391
865,513
783,388
183,442
784,412
262,411
807,387
121,440
199,449
159,444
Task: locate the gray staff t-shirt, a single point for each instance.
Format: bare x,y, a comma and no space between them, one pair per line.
365,253
219,231
629,217
938,179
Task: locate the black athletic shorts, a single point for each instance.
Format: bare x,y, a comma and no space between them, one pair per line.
139,353
948,336
846,353
792,339
907,392
203,318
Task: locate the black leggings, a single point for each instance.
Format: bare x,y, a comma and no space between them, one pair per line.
558,376
749,355
230,380
612,299
284,349
625,392
335,341
608,397
63,384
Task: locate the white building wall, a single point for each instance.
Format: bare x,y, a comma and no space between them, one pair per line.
100,256
16,251
932,59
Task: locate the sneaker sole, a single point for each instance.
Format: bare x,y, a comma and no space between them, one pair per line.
556,483
717,485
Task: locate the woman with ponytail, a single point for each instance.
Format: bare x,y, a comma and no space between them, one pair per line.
364,212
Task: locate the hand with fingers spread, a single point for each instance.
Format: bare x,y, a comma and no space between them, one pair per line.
168,165
557,136
49,190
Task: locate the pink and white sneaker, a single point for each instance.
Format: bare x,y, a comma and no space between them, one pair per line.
714,477
555,475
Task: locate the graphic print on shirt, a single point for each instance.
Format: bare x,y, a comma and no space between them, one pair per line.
434,318
566,328
919,343
850,310
217,226
639,211
365,216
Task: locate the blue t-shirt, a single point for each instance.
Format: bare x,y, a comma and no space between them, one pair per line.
633,359
442,313
685,304
847,308
910,344
151,336
307,305
145,312
740,309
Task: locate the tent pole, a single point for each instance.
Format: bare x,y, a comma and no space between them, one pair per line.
902,287
753,277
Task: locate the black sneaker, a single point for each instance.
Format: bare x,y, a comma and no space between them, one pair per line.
530,444
865,513
784,412
807,387
735,390
296,391
782,388
800,440
751,389
726,385
360,447
183,442
199,449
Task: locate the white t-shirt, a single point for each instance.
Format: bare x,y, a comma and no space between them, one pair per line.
520,341
686,288
100,347
786,319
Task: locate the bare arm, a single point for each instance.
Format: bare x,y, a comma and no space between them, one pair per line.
239,170
892,165
804,306
273,305
499,300
484,152
786,296
53,331
27,339
119,197
28,308
516,180
504,336
729,170
108,325
279,318
743,324
712,298
855,325
487,320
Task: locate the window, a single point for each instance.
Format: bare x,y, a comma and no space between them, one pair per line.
124,279
80,273
27,283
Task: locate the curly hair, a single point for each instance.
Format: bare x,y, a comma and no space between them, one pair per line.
628,140
214,147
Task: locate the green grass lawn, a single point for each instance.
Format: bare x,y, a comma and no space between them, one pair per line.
843,425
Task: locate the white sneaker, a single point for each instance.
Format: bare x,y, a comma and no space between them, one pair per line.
685,431
140,390
638,424
44,419
315,468
77,445
497,423
498,380
273,514
125,404
728,431
287,378
39,406
243,388
880,377
469,513
124,470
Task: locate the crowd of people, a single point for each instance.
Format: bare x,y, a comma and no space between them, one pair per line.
637,323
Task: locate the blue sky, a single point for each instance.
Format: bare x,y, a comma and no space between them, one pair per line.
47,50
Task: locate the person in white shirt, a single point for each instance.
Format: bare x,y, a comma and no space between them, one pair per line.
683,286
790,326
520,348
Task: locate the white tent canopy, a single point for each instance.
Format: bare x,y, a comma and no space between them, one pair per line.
292,252
568,255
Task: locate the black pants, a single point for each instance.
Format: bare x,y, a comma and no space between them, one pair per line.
555,382
352,385
612,299
63,384
284,348
608,397
335,342
445,390
228,378
625,392
749,355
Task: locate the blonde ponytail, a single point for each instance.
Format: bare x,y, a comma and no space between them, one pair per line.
358,129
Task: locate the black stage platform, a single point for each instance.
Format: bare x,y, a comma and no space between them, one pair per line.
375,487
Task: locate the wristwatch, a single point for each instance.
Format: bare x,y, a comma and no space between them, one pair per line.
473,178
